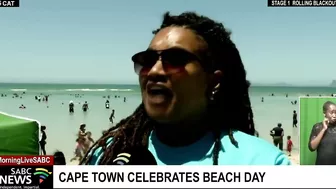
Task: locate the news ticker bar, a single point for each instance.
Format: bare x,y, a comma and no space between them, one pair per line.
301,3
9,3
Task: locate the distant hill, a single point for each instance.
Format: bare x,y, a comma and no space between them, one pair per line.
272,84
333,83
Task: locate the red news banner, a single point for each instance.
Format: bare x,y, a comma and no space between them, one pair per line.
301,3
26,172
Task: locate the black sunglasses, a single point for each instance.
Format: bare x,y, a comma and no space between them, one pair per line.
173,60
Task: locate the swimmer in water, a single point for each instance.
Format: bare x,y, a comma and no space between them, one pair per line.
107,104
71,107
85,106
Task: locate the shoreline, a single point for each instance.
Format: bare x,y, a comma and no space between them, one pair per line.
62,127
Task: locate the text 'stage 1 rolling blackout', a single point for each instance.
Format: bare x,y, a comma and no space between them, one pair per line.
302,3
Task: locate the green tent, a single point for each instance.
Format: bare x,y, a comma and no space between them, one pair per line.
18,135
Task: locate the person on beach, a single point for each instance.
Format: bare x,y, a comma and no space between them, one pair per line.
43,140
59,158
107,104
277,133
289,145
195,101
71,107
85,106
323,136
82,131
79,149
295,121
111,116
88,141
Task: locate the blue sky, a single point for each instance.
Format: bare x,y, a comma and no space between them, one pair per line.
92,41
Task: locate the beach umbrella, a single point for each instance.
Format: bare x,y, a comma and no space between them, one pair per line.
19,135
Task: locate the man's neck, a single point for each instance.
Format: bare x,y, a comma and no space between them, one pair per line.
332,125
182,134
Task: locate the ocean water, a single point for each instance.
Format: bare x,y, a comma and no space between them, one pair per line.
62,127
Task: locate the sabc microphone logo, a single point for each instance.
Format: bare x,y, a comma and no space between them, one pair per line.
122,159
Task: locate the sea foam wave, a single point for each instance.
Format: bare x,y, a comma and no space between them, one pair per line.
18,90
73,90
98,90
93,90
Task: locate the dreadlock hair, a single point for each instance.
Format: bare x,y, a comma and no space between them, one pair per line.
230,107
326,106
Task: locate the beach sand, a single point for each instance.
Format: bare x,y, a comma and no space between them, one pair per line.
294,158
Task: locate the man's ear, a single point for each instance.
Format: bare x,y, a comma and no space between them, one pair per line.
216,78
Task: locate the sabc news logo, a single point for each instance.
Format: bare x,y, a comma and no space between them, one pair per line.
24,176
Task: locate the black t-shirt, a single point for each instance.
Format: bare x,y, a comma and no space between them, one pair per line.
295,116
44,136
326,150
277,131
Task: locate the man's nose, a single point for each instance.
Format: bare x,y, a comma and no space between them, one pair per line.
157,69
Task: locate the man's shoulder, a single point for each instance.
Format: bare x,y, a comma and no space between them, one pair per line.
277,129
257,151
318,125
252,140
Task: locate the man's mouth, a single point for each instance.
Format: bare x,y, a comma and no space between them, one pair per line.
158,93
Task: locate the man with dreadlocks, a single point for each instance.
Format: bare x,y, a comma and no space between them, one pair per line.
195,106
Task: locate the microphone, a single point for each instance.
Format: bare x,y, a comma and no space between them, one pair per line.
135,156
